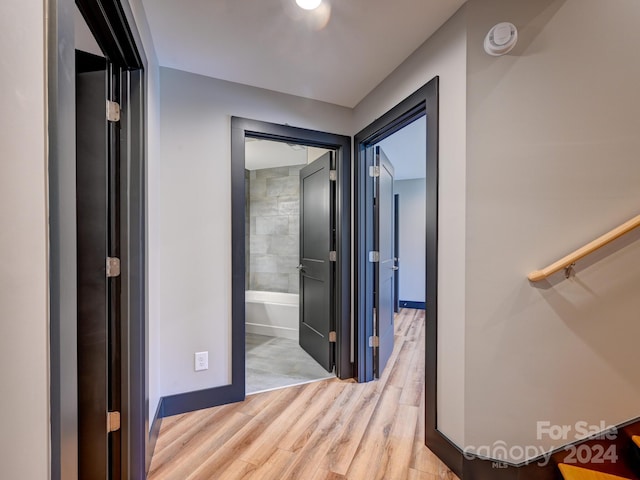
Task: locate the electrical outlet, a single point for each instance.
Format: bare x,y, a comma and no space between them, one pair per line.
201,361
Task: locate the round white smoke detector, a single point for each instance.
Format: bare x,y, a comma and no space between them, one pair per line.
501,39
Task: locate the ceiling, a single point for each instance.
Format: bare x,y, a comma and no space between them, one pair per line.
337,53
259,154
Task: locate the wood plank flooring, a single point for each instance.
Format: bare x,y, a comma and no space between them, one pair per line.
327,430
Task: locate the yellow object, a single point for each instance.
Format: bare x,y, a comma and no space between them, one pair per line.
636,440
569,472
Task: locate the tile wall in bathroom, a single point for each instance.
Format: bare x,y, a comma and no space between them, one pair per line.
274,226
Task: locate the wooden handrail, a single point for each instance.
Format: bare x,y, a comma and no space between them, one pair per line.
582,252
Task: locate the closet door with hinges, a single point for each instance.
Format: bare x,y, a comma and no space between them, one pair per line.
385,265
97,222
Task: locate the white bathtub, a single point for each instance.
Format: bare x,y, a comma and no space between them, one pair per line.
272,313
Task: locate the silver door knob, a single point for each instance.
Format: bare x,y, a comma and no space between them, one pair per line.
300,267
394,268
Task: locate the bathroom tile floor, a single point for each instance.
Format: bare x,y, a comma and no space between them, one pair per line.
274,362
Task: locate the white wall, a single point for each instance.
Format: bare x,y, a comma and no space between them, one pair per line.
407,150
444,54
552,162
24,347
412,228
195,209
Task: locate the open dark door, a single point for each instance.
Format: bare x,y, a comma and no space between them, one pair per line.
98,285
317,240
385,267
396,253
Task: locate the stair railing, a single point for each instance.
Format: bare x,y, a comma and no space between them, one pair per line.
570,260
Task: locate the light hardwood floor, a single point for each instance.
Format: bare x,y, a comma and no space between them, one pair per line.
327,430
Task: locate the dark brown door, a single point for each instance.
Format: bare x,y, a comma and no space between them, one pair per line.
98,294
317,240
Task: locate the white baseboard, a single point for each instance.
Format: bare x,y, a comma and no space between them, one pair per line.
272,331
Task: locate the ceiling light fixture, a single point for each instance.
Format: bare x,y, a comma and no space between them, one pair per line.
309,4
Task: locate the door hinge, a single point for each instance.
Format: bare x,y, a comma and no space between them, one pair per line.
374,171
374,341
333,175
333,256
113,111
113,267
333,337
113,421
374,256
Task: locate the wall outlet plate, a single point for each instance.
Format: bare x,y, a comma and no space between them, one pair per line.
201,361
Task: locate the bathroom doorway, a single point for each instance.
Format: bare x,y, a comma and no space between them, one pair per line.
342,337
282,349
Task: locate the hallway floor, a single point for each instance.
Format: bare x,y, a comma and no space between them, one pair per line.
327,430
274,362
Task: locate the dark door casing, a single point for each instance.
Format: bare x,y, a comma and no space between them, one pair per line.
384,233
423,101
317,207
109,22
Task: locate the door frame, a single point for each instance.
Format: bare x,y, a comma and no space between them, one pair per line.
422,102
111,22
242,128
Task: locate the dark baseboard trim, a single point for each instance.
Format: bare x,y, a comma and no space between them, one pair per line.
445,450
470,467
154,432
410,304
481,469
200,399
